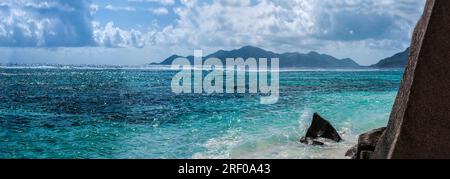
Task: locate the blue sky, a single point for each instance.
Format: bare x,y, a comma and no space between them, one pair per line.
132,32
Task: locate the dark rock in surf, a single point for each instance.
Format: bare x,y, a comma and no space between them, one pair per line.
320,128
311,141
369,140
352,152
366,144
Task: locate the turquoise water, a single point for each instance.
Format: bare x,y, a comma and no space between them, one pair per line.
132,113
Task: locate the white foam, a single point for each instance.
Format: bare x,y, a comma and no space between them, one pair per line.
278,143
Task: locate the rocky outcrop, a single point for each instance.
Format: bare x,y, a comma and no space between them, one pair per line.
352,152
419,125
366,144
320,128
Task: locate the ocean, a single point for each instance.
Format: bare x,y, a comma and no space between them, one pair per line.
66,112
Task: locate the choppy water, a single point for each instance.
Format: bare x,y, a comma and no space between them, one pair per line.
132,113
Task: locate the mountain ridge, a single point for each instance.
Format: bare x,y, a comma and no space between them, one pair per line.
287,60
398,60
299,60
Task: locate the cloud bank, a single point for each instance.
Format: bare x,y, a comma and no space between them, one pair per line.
35,23
299,23
281,25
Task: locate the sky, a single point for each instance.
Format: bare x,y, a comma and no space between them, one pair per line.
134,32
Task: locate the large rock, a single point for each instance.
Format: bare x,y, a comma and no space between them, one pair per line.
352,152
419,125
320,128
366,144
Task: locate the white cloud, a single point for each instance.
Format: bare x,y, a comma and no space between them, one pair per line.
94,9
236,23
61,23
159,11
120,8
331,26
235,3
163,2
45,23
112,36
294,25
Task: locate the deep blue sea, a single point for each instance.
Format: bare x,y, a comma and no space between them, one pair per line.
53,112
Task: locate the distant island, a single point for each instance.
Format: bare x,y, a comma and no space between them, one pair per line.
399,60
298,60
287,60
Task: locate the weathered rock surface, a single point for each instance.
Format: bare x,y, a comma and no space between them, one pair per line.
352,152
320,128
419,125
366,144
